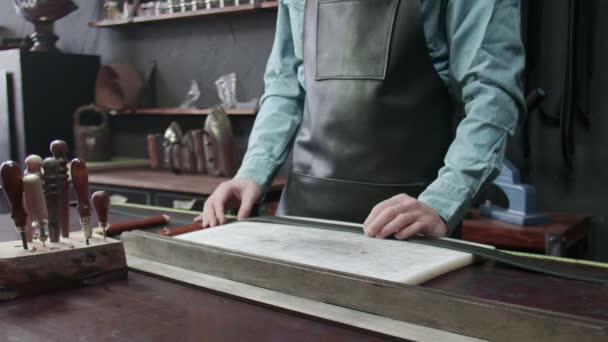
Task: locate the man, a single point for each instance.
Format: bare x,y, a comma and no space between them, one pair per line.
360,89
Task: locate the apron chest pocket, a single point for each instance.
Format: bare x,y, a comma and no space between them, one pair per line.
353,38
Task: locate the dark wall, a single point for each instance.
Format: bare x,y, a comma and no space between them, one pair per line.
75,35
583,189
206,48
200,49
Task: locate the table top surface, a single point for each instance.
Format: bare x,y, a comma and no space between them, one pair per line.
145,308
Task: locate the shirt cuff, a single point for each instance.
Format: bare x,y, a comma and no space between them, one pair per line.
260,171
450,201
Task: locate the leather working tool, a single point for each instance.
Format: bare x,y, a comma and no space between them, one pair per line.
59,149
181,230
522,197
36,204
522,200
152,221
12,181
51,180
80,181
33,165
101,203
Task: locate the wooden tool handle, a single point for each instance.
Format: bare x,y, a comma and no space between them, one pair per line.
120,227
34,196
181,230
59,149
33,164
101,203
80,180
12,180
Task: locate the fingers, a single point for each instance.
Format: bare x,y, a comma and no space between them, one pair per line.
400,222
241,192
389,210
199,219
218,208
209,219
411,230
381,206
382,219
247,203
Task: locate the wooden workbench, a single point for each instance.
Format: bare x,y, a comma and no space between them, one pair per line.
145,308
143,185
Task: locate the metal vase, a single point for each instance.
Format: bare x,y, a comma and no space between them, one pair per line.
43,14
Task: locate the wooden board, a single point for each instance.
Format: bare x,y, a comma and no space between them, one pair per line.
567,229
463,315
301,306
187,111
392,260
67,263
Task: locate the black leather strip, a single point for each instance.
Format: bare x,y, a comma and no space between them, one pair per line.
549,267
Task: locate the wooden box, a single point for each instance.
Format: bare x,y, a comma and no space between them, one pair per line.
60,265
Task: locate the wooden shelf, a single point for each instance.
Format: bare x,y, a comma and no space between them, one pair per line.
163,180
185,15
186,111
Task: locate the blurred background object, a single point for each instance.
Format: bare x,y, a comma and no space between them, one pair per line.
43,14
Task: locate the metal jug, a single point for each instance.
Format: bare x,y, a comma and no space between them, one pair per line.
92,134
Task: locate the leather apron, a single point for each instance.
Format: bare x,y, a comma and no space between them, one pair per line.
377,117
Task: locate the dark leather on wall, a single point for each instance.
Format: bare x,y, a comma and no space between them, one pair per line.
377,117
118,87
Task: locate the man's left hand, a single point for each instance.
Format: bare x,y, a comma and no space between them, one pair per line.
404,216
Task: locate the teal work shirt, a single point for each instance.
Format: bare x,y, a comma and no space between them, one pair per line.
477,50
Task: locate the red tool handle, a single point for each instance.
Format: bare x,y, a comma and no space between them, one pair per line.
101,203
12,180
181,230
120,227
80,180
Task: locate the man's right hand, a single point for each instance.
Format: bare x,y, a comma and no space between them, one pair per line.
236,193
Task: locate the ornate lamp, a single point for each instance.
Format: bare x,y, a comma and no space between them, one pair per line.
43,13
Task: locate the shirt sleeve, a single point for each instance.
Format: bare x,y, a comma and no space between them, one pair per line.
281,108
486,65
